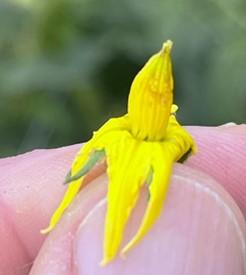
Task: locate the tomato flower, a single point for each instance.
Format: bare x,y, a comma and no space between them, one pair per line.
139,148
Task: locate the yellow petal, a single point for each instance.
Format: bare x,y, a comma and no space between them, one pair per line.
178,139
127,169
151,97
174,109
98,141
71,192
73,187
162,168
113,124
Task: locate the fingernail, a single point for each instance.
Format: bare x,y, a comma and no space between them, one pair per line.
200,231
228,124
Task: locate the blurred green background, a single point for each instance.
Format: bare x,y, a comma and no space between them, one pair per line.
67,65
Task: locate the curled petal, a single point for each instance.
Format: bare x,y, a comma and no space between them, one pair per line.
98,142
71,192
73,188
178,140
127,170
162,168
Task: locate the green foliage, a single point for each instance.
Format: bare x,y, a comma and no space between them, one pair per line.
67,65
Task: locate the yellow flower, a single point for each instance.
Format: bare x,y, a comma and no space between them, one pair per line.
140,148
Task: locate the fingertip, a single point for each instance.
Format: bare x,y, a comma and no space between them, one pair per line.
221,154
30,188
56,254
197,211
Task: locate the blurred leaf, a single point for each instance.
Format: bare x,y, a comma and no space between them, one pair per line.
67,65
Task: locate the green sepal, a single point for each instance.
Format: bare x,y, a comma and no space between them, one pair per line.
94,158
149,180
68,176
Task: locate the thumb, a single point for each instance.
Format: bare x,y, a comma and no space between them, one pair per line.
200,231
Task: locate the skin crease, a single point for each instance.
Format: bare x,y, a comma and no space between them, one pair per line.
201,230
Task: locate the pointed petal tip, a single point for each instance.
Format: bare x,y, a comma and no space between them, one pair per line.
46,230
123,254
104,262
174,108
128,247
167,46
124,251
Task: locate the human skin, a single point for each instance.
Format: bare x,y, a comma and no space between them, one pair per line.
201,230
